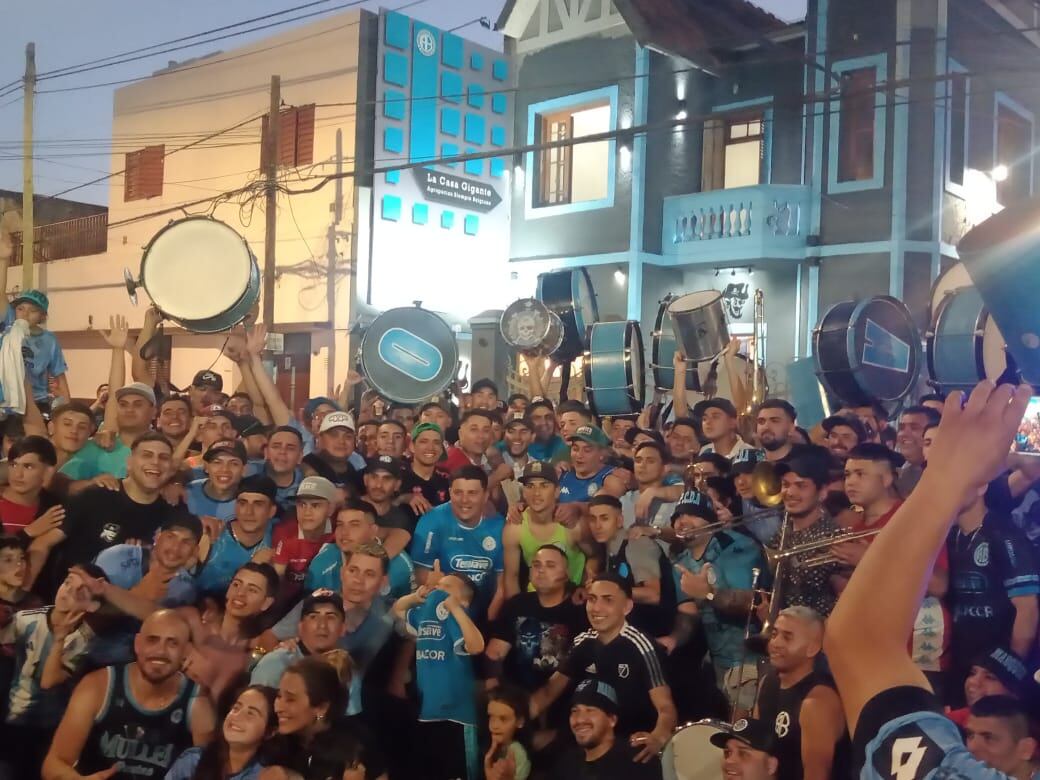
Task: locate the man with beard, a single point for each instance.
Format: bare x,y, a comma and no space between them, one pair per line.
804,480
626,660
99,518
913,422
804,710
600,754
333,456
748,750
174,420
140,733
516,439
719,425
843,433
870,475
423,485
873,416
537,527
774,426
396,523
548,445
474,440
322,623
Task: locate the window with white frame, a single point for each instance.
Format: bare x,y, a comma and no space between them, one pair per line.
1012,152
734,149
574,173
857,125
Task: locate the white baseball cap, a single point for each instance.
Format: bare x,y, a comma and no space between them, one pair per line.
337,420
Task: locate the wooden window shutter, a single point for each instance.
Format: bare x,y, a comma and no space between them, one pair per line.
295,137
143,173
713,157
287,138
305,135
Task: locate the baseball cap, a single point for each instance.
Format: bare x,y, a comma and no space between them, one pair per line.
754,733
226,447
136,388
695,503
208,379
316,487
322,596
744,462
631,433
723,404
592,435
185,520
849,421
537,469
1006,667
594,693
258,483
337,420
387,463
248,425
35,297
518,418
426,426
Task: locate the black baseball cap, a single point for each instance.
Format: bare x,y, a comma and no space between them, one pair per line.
518,418
537,469
322,596
248,425
1006,666
598,694
754,733
208,379
695,503
849,421
387,463
631,433
744,462
226,447
258,483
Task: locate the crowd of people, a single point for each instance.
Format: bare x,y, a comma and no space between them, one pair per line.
201,583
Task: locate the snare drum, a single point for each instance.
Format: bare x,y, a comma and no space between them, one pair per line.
689,754
662,351
409,354
699,324
529,327
570,296
201,274
964,345
614,369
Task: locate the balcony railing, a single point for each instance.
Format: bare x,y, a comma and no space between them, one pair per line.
744,223
62,240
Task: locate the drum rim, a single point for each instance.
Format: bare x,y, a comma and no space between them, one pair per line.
501,322
977,343
587,361
822,372
715,297
935,287
567,352
655,346
450,360
186,321
915,342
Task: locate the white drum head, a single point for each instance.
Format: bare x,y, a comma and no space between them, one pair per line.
689,755
953,278
196,269
693,301
994,358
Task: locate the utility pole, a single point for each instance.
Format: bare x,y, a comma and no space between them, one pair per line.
28,226
271,178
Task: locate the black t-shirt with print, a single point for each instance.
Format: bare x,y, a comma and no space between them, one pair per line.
540,637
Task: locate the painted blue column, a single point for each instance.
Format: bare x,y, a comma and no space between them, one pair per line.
641,88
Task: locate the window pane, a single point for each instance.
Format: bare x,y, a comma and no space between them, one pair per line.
958,127
589,174
856,125
1014,149
738,131
743,164
755,128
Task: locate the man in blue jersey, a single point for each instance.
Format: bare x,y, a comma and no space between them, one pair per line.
547,444
247,537
457,538
899,731
445,640
214,496
589,475
355,525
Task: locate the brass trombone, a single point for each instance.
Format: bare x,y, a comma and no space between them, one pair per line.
767,492
774,557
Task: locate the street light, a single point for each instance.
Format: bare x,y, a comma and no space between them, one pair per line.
1000,173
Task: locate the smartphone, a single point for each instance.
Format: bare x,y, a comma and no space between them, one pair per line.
1027,440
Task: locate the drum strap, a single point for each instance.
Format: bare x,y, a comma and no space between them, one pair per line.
565,380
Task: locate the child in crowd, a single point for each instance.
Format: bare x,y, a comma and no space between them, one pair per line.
506,758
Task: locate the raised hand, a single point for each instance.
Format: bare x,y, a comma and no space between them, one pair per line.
118,332
48,521
63,624
256,339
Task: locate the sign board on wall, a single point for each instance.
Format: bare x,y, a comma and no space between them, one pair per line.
440,231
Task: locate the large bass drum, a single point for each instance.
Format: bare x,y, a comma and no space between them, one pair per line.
868,350
690,755
530,328
964,345
409,354
614,369
199,273
570,296
662,351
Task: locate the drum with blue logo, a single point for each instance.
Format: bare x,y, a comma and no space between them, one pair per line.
614,368
570,296
868,350
964,345
1002,256
662,351
409,354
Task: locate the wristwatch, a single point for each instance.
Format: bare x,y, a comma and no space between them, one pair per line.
712,578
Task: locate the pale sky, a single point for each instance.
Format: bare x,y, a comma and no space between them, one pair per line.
73,128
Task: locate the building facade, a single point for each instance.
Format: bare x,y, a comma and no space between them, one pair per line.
835,158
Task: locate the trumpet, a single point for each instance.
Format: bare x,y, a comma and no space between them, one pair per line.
774,557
